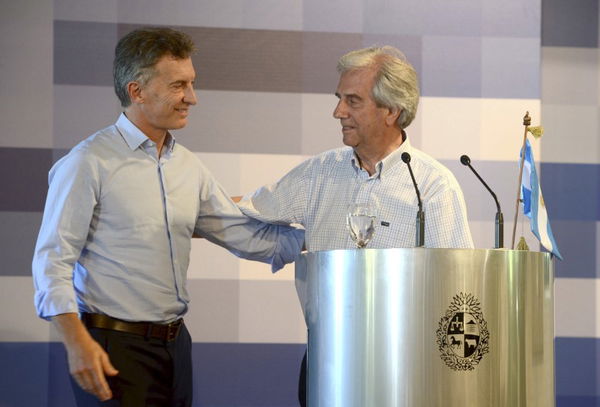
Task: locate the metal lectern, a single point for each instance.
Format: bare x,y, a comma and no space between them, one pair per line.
428,327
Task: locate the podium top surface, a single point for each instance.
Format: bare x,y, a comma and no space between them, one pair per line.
422,251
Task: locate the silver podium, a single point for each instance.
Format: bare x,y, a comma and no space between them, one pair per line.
428,327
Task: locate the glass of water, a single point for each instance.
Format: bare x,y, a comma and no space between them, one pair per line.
361,223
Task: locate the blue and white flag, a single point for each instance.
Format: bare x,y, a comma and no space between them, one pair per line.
533,204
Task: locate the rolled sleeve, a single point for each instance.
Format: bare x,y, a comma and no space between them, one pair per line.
72,196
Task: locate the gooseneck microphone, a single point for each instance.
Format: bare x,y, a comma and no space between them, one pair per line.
499,235
420,237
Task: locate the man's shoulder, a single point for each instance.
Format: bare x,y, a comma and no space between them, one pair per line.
106,139
91,150
333,156
324,163
320,165
432,169
428,162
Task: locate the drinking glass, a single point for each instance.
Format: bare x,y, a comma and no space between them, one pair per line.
361,223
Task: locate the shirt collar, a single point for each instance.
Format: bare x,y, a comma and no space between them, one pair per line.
388,162
169,142
134,137
395,157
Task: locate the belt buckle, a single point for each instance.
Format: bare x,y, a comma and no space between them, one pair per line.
173,330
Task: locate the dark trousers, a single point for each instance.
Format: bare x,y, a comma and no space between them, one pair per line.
302,382
152,372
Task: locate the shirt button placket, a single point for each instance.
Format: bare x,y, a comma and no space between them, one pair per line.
364,189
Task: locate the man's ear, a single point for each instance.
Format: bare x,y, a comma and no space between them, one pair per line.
135,92
392,116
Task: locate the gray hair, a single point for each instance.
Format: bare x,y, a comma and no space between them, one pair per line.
396,84
138,52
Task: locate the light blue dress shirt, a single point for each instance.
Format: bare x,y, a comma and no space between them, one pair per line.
116,233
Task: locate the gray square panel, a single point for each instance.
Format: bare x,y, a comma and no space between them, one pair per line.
451,67
26,182
214,310
244,122
571,133
96,107
87,10
26,74
270,312
199,13
511,18
251,60
271,14
18,235
423,17
511,68
320,53
19,321
577,242
570,23
333,15
570,76
83,52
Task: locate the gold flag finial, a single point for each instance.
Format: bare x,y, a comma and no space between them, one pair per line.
536,131
526,119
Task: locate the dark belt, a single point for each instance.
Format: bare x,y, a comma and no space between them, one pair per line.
165,332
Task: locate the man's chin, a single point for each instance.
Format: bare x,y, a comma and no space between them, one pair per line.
349,141
180,124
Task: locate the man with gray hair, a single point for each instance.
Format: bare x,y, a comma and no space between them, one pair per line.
378,95
111,259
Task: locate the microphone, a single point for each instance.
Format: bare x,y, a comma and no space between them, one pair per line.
420,237
499,235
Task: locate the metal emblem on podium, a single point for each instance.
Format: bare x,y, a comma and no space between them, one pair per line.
462,335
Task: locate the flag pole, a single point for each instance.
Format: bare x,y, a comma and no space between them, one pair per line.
526,123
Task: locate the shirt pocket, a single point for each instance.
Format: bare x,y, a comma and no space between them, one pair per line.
396,230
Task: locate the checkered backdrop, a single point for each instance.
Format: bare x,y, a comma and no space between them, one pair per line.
266,77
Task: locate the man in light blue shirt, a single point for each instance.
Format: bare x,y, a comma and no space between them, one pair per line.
115,239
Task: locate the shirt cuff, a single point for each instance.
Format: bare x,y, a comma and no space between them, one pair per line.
289,247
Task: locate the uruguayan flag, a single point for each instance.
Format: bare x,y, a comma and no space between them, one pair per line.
533,204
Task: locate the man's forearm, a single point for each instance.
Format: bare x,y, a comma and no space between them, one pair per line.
70,328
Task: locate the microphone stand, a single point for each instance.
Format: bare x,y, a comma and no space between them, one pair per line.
420,237
499,231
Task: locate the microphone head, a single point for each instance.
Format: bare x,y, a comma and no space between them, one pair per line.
405,157
465,160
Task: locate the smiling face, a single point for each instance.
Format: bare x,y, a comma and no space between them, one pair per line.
163,102
365,126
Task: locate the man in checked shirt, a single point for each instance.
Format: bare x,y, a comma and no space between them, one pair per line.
378,95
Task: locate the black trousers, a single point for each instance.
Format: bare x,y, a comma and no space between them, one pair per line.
302,383
152,372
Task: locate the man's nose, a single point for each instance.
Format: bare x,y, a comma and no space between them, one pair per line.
189,95
340,111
